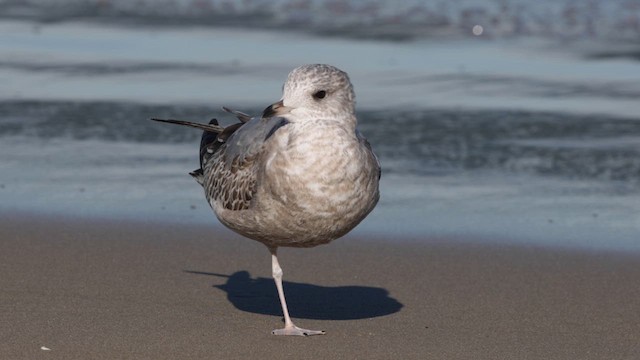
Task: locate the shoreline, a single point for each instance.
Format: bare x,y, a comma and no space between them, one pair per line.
119,289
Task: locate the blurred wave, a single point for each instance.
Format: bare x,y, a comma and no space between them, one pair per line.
115,68
549,144
417,143
500,85
617,20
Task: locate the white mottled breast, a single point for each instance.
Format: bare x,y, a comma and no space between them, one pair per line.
320,182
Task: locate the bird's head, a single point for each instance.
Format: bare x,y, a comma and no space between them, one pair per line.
315,91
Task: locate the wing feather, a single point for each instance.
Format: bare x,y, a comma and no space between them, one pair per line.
231,171
229,157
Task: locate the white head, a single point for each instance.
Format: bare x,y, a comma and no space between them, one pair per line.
316,91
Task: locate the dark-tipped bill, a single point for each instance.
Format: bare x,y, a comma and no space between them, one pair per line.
275,110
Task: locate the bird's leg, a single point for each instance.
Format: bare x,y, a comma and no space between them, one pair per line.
289,327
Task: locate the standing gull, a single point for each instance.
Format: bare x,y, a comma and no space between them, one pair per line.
300,175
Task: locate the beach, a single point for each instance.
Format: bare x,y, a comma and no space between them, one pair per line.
508,223
105,289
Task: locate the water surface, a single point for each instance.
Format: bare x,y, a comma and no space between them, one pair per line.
502,140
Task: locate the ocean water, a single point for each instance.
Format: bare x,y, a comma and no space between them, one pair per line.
512,136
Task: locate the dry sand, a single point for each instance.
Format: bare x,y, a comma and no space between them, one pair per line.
104,289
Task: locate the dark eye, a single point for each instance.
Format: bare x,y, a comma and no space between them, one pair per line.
320,94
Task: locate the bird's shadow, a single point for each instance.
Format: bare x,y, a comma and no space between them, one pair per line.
305,301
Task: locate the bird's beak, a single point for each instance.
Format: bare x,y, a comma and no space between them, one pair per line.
275,110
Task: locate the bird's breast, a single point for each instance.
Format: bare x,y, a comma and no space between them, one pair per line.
323,179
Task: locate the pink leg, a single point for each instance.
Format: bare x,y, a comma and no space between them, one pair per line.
289,327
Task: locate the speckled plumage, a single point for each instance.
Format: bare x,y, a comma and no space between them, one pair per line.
299,176
300,180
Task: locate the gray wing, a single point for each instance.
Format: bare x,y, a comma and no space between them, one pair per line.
230,161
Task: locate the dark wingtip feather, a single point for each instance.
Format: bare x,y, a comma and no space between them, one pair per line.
211,127
198,174
239,114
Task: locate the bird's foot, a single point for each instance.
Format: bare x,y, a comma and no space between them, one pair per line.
294,330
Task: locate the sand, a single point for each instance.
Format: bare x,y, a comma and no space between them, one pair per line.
108,289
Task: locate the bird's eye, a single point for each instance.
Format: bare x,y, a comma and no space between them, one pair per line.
320,94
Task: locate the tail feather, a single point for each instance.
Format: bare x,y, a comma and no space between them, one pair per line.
198,175
239,114
214,128
213,137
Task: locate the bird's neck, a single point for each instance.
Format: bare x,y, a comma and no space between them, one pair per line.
347,121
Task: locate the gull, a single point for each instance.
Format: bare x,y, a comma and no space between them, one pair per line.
300,175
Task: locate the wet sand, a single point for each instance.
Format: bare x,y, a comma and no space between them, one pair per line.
106,289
